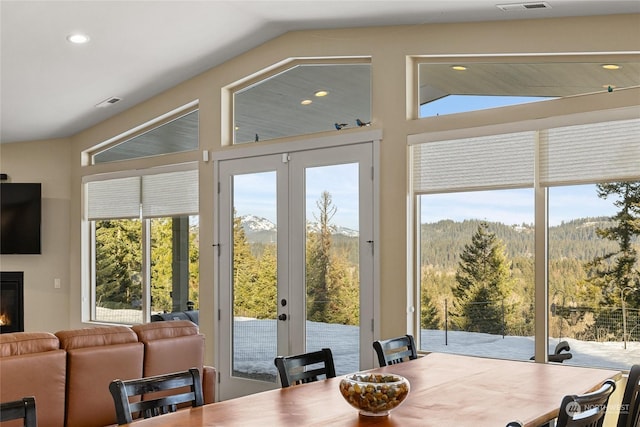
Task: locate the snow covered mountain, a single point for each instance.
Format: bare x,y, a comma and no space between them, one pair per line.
259,229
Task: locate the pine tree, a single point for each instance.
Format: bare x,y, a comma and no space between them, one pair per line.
244,272
429,318
483,282
617,272
319,260
118,263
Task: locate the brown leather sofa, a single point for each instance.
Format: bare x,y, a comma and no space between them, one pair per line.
69,372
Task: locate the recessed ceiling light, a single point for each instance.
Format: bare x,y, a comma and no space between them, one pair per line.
306,102
78,38
611,66
321,93
458,67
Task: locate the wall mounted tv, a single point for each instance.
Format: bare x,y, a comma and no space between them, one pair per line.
20,218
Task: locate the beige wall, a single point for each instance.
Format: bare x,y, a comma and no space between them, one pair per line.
390,49
46,162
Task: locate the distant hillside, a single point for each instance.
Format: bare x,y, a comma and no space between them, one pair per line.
261,230
443,241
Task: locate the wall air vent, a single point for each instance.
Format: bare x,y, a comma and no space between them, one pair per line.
524,6
108,102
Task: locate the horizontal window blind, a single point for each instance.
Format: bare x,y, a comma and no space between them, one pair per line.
170,194
153,195
114,198
599,152
496,161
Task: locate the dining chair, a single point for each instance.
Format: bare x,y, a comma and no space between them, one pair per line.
630,405
24,409
586,410
305,368
395,350
176,388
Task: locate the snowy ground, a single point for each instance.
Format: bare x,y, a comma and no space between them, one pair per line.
255,346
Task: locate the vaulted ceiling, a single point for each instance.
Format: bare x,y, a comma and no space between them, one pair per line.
49,87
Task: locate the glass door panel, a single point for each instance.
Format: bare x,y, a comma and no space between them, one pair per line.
255,275
332,263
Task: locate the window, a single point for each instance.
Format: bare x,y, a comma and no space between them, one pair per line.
145,244
476,247
448,87
474,205
303,99
176,134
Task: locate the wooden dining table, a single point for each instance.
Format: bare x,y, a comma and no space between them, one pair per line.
445,390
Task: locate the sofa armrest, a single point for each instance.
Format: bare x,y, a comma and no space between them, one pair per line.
209,380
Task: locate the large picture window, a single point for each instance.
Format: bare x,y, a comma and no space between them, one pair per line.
477,241
144,244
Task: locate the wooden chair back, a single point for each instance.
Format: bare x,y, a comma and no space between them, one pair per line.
154,391
630,407
395,350
24,409
305,368
586,410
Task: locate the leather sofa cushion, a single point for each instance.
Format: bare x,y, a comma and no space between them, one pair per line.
95,357
41,375
172,346
163,341
98,336
17,343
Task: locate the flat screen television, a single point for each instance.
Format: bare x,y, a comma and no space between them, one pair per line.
20,218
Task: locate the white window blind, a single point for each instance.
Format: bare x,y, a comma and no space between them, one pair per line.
599,152
170,194
496,161
153,195
114,198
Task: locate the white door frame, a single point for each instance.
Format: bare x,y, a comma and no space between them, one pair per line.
372,307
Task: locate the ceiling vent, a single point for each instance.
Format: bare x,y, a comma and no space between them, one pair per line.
524,6
108,102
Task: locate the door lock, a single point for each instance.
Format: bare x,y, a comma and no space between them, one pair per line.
282,317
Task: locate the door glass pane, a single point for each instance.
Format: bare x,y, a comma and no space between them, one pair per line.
332,263
118,258
476,273
254,276
594,299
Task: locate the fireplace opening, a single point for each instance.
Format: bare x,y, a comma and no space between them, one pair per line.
11,301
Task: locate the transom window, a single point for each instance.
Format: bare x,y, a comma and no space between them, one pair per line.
303,99
175,134
461,85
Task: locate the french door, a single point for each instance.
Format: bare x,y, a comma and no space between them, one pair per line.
295,262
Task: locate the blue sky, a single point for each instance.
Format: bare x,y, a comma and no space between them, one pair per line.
506,206
256,193
515,206
461,103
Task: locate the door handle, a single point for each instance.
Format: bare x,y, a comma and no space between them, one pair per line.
282,317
